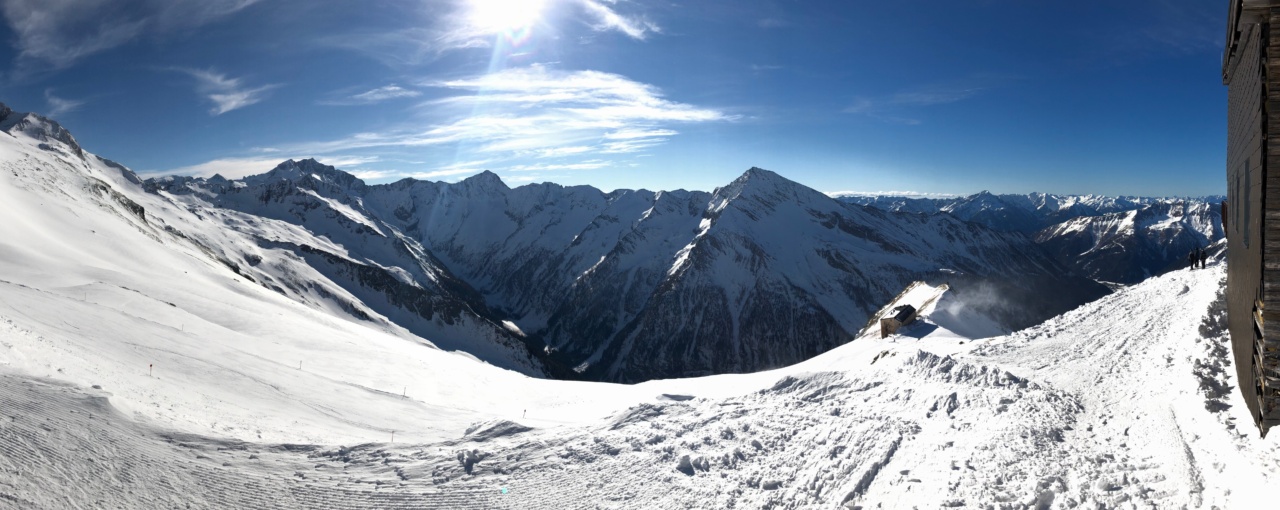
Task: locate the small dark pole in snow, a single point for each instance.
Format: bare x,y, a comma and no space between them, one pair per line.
393,436
405,393
149,367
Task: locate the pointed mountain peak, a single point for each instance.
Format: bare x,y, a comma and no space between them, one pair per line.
300,171
37,127
760,186
759,179
758,173
484,181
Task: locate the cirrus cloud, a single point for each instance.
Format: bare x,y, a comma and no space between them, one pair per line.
540,111
530,119
58,33
226,93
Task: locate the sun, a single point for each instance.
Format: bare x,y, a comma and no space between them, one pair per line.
505,15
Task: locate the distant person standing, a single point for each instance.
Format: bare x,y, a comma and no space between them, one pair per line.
1191,257
1204,256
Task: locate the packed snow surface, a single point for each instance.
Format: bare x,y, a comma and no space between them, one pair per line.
1119,402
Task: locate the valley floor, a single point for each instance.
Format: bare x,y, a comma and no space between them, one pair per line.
1120,403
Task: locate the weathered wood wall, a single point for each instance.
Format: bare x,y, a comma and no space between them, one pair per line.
1245,73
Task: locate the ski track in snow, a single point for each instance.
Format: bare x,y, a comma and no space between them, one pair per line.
1100,407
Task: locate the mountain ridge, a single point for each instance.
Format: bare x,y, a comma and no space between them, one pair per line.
592,278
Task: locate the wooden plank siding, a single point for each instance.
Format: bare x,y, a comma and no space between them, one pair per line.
1266,355
1253,188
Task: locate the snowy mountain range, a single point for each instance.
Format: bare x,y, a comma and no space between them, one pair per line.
160,347
623,286
1111,239
574,282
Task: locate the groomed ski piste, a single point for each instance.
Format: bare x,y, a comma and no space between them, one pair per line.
136,372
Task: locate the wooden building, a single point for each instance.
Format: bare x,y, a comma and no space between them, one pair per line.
1251,71
902,315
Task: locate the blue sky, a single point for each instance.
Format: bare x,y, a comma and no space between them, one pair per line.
930,96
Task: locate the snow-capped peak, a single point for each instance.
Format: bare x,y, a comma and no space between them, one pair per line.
768,187
309,169
485,181
37,127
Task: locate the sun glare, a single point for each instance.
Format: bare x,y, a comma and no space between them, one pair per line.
505,15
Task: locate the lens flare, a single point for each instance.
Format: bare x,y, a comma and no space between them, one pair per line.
506,16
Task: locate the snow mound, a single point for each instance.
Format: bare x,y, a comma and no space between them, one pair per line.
486,431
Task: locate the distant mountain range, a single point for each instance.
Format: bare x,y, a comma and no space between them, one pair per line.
1112,239
628,285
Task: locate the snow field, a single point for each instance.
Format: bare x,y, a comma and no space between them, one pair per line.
1101,407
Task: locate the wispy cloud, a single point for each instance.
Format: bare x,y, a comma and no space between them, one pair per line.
378,95
606,19
540,112
593,164
1185,27
901,107
518,120
934,95
58,33
772,23
59,106
385,93
226,93
438,28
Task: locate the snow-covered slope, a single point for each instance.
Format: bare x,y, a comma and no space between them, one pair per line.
1125,401
304,221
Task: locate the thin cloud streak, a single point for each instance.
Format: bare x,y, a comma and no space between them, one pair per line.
58,33
226,93
894,108
59,106
378,95
385,93
608,19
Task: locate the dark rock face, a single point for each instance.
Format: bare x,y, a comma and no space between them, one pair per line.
630,285
1112,239
1132,246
